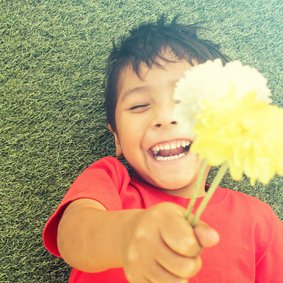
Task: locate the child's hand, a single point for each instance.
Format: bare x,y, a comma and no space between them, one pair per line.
163,247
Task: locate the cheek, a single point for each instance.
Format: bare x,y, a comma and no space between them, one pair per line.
129,134
132,129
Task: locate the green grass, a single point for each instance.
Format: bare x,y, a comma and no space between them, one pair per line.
51,99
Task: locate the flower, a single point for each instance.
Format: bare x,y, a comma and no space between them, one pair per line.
227,111
244,132
210,81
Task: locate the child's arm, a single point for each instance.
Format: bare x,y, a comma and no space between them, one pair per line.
152,245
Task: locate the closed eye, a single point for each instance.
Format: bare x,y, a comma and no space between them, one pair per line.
139,107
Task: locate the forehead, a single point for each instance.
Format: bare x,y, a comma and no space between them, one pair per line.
162,72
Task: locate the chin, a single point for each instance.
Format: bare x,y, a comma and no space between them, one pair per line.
174,184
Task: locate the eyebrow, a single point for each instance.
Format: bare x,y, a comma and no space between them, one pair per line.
134,90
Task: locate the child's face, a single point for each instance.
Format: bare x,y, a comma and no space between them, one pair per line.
147,133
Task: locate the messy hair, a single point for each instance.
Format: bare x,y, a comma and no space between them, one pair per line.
146,43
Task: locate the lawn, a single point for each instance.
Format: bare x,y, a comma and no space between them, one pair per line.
52,119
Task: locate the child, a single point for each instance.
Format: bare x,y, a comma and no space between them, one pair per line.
112,227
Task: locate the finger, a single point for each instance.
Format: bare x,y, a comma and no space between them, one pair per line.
181,266
157,274
180,237
137,279
207,236
136,276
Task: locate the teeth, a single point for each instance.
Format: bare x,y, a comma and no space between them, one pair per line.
168,146
173,146
155,151
167,158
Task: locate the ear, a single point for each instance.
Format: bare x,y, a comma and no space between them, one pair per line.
117,143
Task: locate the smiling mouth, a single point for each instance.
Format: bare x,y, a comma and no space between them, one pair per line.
170,151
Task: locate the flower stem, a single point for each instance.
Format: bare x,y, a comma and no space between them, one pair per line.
197,189
216,181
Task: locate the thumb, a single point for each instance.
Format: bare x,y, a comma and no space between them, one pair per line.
207,236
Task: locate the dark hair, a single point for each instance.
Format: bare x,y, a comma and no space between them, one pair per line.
145,44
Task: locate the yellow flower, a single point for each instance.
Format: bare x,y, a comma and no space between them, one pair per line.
245,132
211,81
227,110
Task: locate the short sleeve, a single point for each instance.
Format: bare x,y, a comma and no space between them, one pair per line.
102,181
270,257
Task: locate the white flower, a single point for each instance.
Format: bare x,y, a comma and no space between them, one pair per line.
210,81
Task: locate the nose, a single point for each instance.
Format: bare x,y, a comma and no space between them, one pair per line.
164,117
165,124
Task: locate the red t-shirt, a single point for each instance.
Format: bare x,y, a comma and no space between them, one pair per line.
250,249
